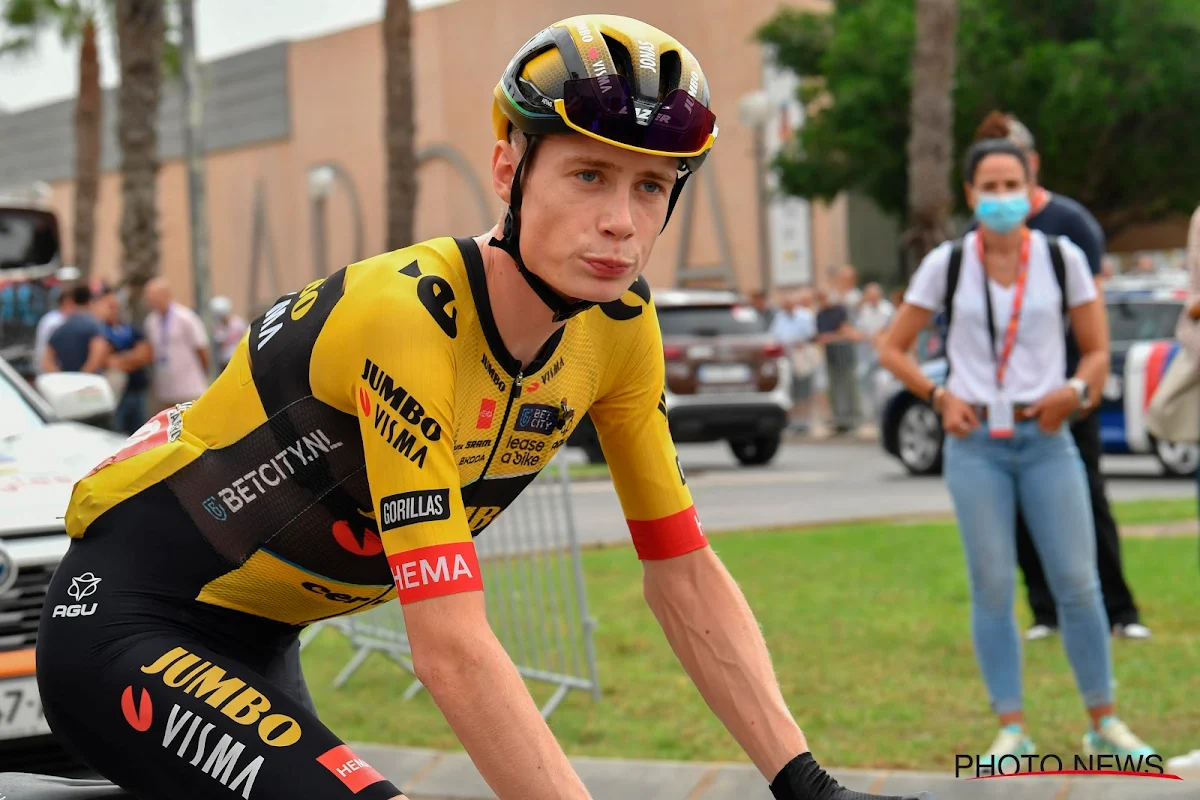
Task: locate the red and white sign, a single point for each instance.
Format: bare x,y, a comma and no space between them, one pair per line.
349,768
436,570
164,427
487,411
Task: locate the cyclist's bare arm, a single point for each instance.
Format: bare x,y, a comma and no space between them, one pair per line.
475,685
715,636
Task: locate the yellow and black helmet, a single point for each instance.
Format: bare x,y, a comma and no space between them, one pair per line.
613,78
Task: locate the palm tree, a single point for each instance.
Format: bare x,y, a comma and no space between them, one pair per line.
931,146
76,22
141,26
400,130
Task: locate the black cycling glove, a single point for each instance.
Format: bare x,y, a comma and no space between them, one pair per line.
803,779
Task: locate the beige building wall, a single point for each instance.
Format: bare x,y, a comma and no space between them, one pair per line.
337,115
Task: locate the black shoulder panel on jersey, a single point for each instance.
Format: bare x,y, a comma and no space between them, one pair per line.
282,340
620,311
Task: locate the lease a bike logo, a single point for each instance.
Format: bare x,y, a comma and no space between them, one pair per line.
183,670
81,586
192,739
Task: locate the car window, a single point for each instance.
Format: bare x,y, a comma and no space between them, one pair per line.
27,239
1139,320
16,414
710,321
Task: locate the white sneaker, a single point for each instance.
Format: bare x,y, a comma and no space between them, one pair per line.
1132,631
1011,741
1114,737
1039,632
1189,762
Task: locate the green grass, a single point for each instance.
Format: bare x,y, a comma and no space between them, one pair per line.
584,472
869,631
1150,512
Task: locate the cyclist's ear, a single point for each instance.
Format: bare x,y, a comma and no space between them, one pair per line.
505,157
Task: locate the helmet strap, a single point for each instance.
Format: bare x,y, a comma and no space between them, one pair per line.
511,243
675,192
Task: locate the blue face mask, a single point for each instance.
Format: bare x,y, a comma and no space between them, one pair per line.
1002,212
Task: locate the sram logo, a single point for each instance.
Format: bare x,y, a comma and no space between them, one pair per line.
436,570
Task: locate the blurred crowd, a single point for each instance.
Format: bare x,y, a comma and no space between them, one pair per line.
831,334
168,358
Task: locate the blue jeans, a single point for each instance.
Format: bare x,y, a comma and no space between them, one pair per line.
986,477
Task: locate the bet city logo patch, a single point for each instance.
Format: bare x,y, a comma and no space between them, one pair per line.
218,759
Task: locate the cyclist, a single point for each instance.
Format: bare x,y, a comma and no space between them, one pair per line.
368,427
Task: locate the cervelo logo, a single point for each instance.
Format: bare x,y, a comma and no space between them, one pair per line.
218,762
349,768
240,702
308,449
436,570
81,586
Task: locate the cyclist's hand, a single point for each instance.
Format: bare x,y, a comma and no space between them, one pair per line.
958,418
803,779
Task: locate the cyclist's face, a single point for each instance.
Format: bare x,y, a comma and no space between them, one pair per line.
590,212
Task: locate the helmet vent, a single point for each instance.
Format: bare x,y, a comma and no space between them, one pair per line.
622,60
670,69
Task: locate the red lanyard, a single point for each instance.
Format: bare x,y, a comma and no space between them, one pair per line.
1010,334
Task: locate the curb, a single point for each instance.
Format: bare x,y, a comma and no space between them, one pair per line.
437,775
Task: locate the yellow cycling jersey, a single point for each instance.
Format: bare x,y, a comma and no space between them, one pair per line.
369,425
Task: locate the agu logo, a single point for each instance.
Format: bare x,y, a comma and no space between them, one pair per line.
81,586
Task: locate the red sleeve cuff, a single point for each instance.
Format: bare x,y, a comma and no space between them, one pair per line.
436,570
667,537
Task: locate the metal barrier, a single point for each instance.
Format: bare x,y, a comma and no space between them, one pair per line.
534,592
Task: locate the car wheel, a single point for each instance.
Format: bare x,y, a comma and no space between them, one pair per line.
1178,460
919,439
757,451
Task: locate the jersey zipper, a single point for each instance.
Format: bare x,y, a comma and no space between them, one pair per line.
512,395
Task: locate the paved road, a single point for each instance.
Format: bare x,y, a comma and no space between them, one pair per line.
819,482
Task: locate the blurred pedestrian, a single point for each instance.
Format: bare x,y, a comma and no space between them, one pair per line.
1144,265
795,325
50,321
228,329
180,347
839,339
1056,214
874,315
78,343
1005,407
131,355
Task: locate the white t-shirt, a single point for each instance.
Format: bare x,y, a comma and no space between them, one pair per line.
1038,362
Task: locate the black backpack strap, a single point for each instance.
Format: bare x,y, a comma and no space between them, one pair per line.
953,270
1060,270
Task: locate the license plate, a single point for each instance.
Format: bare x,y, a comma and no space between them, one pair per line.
21,709
724,373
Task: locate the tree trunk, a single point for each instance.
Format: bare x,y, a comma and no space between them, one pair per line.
400,133
140,28
88,117
931,148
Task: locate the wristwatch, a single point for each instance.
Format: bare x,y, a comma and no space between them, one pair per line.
1082,391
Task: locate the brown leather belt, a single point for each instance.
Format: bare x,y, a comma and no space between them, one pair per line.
981,412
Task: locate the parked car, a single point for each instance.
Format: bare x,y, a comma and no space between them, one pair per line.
44,448
1142,312
30,264
727,378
